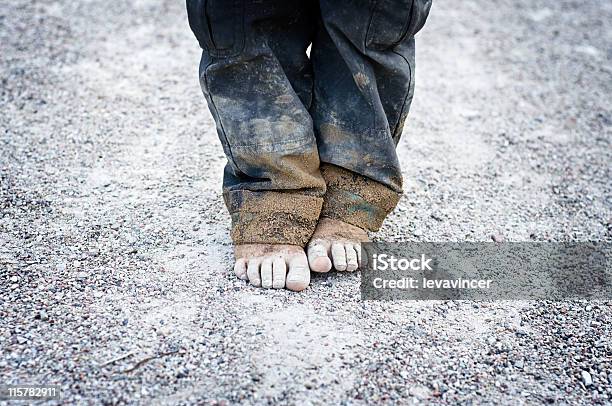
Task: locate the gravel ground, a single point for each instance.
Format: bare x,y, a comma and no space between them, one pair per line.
111,214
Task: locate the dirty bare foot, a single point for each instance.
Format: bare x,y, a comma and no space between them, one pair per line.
336,243
273,266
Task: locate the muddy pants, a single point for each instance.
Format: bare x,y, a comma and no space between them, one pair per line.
307,136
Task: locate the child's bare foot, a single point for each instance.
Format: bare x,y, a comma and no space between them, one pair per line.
335,242
273,266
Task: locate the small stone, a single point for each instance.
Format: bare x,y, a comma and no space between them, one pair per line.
498,238
586,378
417,232
540,14
15,279
421,392
82,275
588,50
182,373
521,332
41,315
470,114
164,331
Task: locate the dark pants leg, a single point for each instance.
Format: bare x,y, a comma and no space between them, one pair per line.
257,80
258,83
363,60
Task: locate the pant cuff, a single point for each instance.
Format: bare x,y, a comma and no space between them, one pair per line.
355,199
272,217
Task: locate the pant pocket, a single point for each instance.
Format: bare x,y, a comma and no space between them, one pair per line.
218,25
393,21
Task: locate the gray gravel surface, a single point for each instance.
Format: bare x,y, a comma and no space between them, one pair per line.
111,217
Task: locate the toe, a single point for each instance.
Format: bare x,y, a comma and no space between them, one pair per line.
357,247
240,268
253,271
279,272
351,257
266,273
317,257
338,256
298,277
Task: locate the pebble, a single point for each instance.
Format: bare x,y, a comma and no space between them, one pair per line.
164,331
521,332
586,378
497,238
